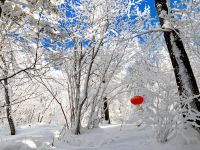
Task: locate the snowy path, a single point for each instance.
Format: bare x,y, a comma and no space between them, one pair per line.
110,137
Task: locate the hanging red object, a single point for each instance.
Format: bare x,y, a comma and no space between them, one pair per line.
137,100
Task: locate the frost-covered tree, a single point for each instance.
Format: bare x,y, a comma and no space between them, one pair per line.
185,79
94,31
21,23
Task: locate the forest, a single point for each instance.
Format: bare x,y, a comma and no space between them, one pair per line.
99,74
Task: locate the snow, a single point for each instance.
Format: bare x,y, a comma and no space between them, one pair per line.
30,143
167,25
107,137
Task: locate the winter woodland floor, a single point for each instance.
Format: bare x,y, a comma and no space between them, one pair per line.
108,137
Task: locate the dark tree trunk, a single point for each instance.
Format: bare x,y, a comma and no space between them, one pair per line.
8,108
78,121
185,79
1,3
106,110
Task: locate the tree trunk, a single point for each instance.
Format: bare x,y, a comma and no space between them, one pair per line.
106,110
90,119
78,121
1,3
186,82
8,108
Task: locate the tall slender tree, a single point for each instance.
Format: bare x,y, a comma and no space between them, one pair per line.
185,79
8,108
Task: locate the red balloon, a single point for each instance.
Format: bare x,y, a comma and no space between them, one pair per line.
137,100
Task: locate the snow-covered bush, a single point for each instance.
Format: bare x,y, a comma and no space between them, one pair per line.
164,118
151,76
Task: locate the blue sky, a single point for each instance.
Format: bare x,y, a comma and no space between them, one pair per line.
143,4
151,4
71,14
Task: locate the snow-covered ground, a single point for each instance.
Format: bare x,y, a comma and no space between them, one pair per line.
108,137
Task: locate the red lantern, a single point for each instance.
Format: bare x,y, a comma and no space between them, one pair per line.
137,100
